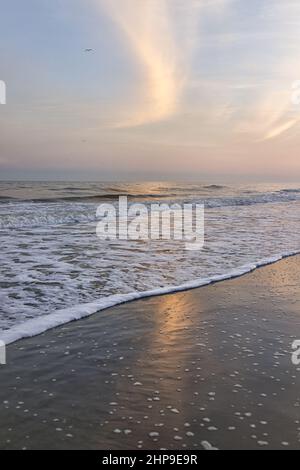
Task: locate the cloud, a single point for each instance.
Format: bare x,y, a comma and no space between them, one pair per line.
162,36
280,129
153,30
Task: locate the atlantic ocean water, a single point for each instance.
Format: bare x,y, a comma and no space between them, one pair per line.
55,269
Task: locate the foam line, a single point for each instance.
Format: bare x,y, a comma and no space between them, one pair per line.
41,324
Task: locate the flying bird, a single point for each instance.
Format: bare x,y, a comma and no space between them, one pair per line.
88,50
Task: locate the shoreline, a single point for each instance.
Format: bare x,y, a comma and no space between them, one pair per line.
169,372
40,325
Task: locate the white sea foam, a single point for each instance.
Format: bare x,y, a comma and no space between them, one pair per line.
39,325
33,214
53,266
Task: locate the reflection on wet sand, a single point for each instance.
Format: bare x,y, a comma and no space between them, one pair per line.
204,368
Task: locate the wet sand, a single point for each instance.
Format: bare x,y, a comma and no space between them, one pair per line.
211,364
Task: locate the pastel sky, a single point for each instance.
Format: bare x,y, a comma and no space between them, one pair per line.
173,89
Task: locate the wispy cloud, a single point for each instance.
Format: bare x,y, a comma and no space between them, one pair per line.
152,29
162,36
147,27
206,80
280,129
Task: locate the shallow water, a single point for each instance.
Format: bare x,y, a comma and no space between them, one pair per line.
174,372
51,259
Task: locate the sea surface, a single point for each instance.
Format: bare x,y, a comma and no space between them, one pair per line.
55,269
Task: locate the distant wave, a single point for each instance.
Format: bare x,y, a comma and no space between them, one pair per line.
99,197
214,186
41,324
6,199
92,197
173,193
75,210
290,190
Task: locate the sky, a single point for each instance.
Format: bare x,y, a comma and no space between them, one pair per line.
173,89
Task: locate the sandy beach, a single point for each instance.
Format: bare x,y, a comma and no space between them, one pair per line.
149,224
210,365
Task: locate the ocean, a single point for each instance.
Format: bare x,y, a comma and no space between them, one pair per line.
55,269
